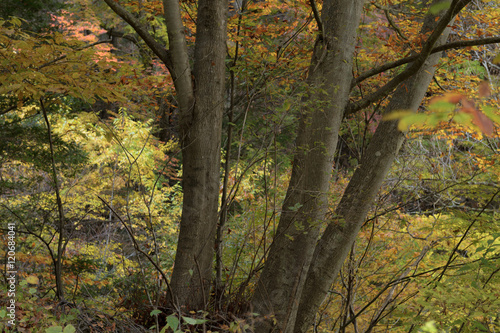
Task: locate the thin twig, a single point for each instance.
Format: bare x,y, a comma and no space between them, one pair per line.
58,264
136,247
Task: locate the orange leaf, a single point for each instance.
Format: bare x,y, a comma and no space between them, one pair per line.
453,98
481,121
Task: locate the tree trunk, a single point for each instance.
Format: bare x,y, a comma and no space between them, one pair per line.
343,228
200,135
200,98
294,283
279,287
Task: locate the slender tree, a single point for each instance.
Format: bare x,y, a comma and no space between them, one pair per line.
343,227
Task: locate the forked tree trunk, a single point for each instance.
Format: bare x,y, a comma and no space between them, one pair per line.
297,273
200,137
293,283
200,97
343,228
280,284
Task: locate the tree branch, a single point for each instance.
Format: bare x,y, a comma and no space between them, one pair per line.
119,34
444,47
419,61
58,262
181,73
78,49
390,21
158,49
457,246
136,245
317,17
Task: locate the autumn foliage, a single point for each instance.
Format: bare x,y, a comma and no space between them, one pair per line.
102,195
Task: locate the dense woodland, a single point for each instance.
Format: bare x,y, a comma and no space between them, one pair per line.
250,165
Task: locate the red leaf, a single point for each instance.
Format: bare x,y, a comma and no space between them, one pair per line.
481,121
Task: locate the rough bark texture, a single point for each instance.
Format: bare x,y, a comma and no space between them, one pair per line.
200,97
279,287
334,245
200,135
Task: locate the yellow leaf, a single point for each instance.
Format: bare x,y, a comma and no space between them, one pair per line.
397,114
32,279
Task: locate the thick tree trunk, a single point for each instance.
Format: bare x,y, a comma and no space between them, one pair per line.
293,284
343,228
200,135
279,287
200,97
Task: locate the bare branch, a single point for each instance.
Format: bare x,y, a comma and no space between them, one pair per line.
58,263
419,61
119,34
317,17
158,49
444,47
180,59
136,245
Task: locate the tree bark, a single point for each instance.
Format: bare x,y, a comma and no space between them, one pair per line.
200,137
200,97
343,228
180,69
279,287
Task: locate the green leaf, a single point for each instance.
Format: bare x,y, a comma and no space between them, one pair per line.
155,312
172,322
193,321
490,112
397,114
442,106
286,105
69,329
496,60
462,118
54,329
15,21
415,119
295,207
429,327
437,8
481,327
